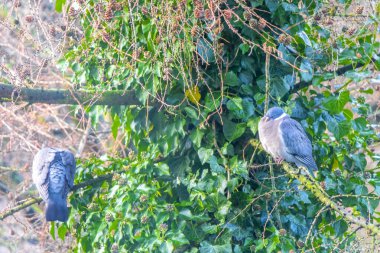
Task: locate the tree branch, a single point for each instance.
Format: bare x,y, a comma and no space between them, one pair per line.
10,93
340,71
309,183
31,201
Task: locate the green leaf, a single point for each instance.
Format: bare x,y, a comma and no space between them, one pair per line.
215,201
214,165
306,70
204,154
334,104
52,229
359,160
305,38
209,229
231,79
244,47
115,125
205,51
340,227
59,4
235,104
232,131
253,124
191,112
178,238
339,129
196,137
166,247
361,190
188,215
62,231
206,247
272,5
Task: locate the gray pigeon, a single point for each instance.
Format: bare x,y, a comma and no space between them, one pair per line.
285,139
53,174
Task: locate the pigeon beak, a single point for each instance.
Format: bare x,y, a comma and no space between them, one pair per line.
265,118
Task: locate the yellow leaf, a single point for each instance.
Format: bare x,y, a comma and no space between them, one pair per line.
335,165
193,94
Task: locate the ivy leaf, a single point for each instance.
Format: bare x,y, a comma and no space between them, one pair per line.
272,5
338,128
359,160
196,137
192,113
306,70
244,47
52,229
178,239
232,131
205,51
204,154
305,38
115,126
231,79
59,4
278,87
209,248
187,214
193,94
340,227
253,124
304,197
166,247
209,229
214,165
62,231
334,104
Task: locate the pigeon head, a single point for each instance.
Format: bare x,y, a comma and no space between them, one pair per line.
274,113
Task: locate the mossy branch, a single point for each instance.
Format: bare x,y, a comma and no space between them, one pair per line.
31,201
10,93
309,183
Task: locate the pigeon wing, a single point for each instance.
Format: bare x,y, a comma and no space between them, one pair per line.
68,161
41,167
297,143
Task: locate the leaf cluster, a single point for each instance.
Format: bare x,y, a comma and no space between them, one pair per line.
196,179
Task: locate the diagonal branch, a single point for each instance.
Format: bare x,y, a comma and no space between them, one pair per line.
31,201
309,183
340,71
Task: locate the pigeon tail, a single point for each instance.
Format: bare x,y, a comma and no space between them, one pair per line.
56,210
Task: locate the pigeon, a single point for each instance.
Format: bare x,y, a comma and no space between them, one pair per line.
285,139
53,174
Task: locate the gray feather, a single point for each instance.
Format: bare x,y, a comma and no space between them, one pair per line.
297,146
68,160
53,174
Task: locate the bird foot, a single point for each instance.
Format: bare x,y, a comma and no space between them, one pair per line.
278,160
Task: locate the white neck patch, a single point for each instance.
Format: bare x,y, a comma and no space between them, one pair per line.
282,116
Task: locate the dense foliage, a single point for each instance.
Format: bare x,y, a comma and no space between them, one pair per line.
196,178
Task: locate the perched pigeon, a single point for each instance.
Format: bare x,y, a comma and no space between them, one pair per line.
285,139
53,174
